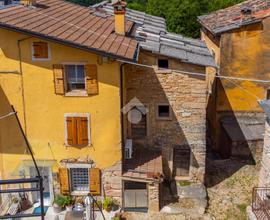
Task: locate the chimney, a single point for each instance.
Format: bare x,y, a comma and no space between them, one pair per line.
119,16
28,2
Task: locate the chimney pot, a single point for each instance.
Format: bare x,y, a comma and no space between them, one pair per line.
119,16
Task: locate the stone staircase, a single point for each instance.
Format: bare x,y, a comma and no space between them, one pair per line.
188,199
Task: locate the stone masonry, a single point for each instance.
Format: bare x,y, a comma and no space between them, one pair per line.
112,182
186,96
264,177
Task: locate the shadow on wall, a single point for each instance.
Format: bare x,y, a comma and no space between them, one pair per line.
228,150
11,138
177,136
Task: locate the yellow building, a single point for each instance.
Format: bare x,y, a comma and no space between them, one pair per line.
239,39
66,91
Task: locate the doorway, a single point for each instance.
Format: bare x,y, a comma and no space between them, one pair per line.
135,196
46,174
181,162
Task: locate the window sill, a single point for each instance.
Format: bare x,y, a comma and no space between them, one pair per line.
80,93
164,119
163,71
80,193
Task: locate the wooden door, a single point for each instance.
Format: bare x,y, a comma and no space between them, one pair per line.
181,162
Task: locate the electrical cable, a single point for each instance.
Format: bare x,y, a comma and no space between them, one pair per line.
7,115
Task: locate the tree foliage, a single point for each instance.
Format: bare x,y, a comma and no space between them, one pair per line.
181,15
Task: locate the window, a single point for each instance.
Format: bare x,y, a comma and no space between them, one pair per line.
77,131
79,179
138,122
268,94
163,63
40,51
163,111
75,77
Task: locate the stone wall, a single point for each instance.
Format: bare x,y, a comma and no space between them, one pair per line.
264,177
153,197
186,96
112,182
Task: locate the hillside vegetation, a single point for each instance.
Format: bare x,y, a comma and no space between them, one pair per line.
180,15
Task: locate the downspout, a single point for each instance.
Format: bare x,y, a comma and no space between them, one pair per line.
122,104
122,123
22,82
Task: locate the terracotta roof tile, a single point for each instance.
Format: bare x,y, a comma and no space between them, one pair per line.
71,24
145,164
232,17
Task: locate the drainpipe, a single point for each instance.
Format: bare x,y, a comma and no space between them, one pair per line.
122,103
122,120
22,81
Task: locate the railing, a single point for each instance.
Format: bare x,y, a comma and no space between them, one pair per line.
261,203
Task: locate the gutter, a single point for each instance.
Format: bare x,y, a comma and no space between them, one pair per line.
66,43
121,107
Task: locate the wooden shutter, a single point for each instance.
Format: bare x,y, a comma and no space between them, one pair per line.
41,50
91,79
59,85
95,178
82,131
64,181
71,131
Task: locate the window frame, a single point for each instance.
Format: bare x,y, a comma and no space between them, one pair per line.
157,111
163,68
82,115
71,182
75,92
40,59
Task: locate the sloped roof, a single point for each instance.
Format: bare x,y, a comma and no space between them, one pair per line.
233,17
70,24
152,35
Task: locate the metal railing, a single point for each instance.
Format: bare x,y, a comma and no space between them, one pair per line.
37,180
261,202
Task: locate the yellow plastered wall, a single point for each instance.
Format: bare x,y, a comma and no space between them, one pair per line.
245,54
44,110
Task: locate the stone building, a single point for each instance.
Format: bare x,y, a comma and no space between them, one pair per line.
164,111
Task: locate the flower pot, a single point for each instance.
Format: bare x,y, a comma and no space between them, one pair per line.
69,208
57,208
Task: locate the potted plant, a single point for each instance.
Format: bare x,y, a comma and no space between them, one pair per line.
110,204
59,203
69,202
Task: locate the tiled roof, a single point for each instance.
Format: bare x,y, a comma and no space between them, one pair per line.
152,35
145,164
70,24
233,17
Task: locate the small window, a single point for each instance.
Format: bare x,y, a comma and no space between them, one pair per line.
79,179
163,111
77,131
268,94
163,63
40,51
75,77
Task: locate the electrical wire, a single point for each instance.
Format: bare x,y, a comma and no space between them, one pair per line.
7,115
198,74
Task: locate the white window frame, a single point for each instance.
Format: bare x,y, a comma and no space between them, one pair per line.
78,192
82,92
41,59
83,115
157,111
